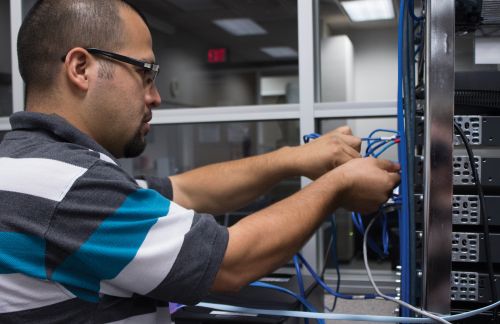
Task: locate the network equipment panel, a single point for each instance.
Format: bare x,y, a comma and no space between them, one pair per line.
466,210
487,169
469,247
479,130
472,286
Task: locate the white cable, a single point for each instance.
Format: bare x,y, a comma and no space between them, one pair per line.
397,301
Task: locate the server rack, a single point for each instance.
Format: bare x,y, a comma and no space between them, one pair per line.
454,270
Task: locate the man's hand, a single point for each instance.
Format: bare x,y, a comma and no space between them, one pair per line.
327,152
367,183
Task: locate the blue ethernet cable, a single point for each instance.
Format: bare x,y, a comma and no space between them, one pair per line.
383,149
411,9
402,154
300,282
335,259
373,146
358,223
328,289
385,233
382,130
307,138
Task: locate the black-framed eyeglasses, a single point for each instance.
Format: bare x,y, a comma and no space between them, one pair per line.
151,70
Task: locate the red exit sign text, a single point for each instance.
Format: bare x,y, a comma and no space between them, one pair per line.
217,55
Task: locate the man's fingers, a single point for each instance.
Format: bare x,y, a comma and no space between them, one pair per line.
353,141
346,130
395,177
388,165
352,152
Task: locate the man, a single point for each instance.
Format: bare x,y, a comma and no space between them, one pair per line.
81,242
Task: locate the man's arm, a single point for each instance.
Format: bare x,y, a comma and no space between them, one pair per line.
227,186
263,241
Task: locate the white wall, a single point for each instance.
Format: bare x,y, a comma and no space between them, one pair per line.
276,86
5,62
337,69
375,64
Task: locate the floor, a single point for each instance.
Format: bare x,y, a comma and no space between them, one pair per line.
355,281
360,307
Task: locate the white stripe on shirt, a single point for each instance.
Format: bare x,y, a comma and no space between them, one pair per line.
156,256
43,178
20,292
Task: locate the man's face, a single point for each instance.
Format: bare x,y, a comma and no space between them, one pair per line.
124,102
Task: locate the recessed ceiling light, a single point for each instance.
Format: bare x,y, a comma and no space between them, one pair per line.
368,10
240,26
280,52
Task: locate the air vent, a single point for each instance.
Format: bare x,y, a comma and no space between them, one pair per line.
491,12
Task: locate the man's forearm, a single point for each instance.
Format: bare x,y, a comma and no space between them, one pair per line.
263,241
227,186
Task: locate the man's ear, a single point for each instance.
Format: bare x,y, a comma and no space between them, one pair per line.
78,68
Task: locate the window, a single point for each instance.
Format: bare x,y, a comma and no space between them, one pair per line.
224,53
174,149
5,60
358,59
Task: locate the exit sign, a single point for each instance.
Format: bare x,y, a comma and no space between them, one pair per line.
217,55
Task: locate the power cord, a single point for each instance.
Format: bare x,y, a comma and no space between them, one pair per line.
379,293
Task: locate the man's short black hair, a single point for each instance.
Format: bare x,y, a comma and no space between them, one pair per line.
54,27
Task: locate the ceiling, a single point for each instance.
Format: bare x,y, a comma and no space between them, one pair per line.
279,17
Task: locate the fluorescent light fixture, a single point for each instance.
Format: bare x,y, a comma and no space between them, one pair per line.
240,26
368,10
280,52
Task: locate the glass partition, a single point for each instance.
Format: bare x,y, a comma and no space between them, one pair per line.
359,57
224,53
5,60
173,149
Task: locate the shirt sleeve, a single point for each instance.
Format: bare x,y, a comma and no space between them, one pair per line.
109,236
161,184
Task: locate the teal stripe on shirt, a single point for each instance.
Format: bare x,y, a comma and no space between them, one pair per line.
113,245
20,253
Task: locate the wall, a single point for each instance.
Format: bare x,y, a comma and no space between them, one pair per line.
337,69
27,5
185,79
375,65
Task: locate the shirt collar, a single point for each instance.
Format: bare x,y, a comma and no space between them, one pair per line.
56,125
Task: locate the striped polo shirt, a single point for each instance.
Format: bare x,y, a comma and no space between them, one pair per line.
82,242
